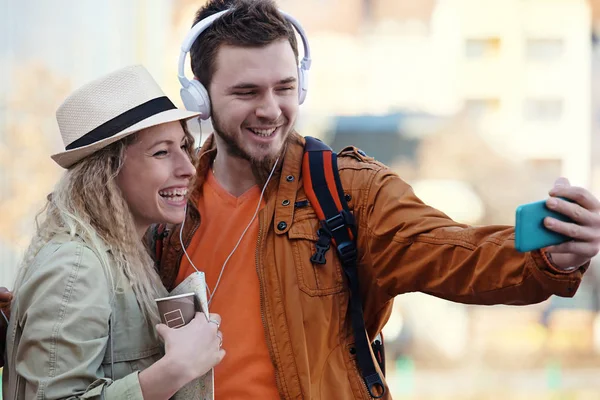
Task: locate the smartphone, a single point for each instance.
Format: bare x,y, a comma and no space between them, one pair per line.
530,232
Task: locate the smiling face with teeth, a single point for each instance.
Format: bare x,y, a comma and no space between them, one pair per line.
254,100
155,175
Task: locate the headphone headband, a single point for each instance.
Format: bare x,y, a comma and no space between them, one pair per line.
195,96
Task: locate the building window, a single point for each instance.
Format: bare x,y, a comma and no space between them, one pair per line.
481,108
477,48
543,110
544,49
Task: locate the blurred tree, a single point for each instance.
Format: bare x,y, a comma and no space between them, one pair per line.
27,172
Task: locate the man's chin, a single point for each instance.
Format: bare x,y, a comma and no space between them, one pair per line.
266,157
260,156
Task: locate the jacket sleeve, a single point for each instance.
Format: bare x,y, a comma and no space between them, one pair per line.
410,247
64,310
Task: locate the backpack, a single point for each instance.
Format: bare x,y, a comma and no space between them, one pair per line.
324,190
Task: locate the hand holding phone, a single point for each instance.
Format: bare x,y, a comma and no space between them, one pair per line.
530,232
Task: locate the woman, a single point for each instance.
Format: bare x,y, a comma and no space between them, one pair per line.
83,314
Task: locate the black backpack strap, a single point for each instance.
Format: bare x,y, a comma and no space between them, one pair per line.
324,191
379,351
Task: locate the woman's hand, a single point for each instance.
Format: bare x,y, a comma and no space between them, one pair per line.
195,348
191,351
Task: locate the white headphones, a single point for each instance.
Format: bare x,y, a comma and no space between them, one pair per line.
195,96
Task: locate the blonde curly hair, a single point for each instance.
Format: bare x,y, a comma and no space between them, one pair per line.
87,202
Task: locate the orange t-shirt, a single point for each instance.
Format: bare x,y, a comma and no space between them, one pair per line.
246,372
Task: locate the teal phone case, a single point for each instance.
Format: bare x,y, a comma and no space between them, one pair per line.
530,232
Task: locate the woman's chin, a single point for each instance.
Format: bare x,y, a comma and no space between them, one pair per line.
172,216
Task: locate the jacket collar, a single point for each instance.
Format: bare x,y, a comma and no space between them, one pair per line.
207,154
289,184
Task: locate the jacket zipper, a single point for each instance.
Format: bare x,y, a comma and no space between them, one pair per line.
262,304
360,378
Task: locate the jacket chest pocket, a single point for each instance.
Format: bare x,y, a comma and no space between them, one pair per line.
314,279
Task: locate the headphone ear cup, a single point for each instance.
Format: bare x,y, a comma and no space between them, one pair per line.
195,98
302,84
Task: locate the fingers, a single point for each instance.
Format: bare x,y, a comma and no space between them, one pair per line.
583,249
214,322
215,319
197,325
220,355
582,207
576,212
562,181
5,295
582,197
572,230
162,330
220,336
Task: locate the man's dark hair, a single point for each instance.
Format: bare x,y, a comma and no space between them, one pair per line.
252,23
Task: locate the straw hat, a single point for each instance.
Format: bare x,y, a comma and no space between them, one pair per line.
110,108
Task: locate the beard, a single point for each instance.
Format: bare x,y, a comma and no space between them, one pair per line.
261,166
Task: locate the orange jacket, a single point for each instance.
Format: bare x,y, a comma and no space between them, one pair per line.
404,246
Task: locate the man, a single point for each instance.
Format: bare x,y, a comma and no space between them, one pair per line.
285,322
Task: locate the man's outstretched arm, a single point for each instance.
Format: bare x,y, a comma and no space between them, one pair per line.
413,247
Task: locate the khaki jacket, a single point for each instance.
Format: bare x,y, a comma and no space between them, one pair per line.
404,246
58,341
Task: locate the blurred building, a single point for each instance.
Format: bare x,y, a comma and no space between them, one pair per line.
74,41
595,119
520,69
83,39
524,68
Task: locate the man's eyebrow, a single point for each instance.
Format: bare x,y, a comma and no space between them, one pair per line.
290,79
243,85
248,85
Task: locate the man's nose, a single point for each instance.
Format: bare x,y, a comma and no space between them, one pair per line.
268,108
